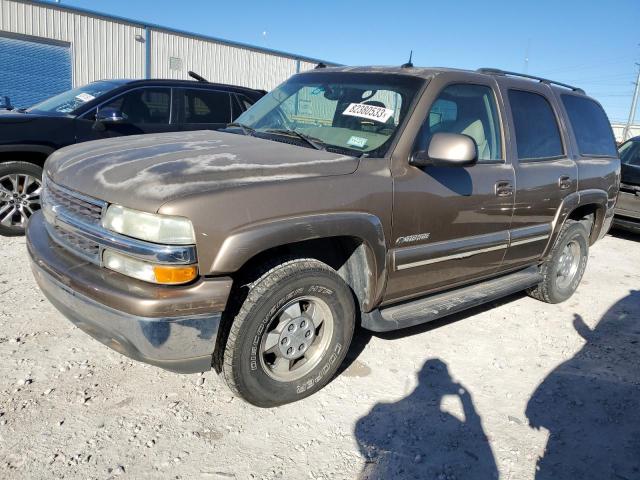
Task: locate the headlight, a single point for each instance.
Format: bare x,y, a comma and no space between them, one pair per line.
164,274
155,228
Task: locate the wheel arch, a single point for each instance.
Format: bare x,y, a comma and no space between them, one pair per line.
35,154
587,206
352,243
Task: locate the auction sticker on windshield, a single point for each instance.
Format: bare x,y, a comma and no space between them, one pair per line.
85,97
370,112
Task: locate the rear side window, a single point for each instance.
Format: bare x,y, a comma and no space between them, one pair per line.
537,132
206,106
590,126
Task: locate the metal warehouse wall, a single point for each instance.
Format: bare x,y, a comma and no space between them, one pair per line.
99,48
106,47
219,62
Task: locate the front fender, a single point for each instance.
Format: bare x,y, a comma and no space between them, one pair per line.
243,245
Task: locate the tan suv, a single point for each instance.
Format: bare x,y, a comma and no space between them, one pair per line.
385,196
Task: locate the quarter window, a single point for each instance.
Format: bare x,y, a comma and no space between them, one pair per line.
536,127
469,110
206,106
590,126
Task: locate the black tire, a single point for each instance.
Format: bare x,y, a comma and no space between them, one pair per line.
13,168
244,369
551,290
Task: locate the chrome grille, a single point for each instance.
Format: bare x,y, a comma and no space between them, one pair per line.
78,244
75,205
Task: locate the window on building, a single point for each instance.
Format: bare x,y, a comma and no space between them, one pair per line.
536,127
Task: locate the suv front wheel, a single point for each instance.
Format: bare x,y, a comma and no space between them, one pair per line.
20,187
291,334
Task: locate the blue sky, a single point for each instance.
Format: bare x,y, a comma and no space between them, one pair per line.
590,43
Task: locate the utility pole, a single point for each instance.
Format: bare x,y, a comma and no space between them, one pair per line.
634,106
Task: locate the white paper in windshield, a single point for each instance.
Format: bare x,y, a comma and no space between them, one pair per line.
85,97
370,112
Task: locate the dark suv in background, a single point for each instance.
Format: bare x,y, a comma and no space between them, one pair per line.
628,206
102,109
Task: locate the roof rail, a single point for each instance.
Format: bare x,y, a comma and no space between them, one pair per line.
497,71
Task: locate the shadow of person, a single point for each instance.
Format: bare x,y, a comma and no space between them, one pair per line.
416,438
591,403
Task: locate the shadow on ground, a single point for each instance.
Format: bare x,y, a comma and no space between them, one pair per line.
590,404
415,438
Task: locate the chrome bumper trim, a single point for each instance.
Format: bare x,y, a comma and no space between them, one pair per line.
183,344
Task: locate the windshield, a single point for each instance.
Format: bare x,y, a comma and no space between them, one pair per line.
630,153
67,102
354,112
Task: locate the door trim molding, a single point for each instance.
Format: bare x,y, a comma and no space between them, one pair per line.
421,255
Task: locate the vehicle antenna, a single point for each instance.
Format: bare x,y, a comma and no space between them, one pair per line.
197,77
409,64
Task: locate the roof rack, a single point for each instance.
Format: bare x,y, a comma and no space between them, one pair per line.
497,71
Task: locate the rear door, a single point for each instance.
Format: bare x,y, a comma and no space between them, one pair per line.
546,172
205,109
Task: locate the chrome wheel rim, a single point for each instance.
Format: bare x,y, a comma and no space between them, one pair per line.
568,264
296,339
19,199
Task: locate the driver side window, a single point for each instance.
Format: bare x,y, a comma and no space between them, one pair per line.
465,109
144,105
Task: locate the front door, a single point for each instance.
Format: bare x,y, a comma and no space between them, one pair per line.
146,110
451,225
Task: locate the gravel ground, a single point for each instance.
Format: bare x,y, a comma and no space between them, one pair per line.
520,391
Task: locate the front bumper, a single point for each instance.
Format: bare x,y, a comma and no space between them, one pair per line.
172,327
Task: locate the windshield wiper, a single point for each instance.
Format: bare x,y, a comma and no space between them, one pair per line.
246,129
314,142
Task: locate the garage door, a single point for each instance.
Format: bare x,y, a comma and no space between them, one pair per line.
31,71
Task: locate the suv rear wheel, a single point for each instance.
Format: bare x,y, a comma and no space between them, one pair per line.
20,186
291,334
563,271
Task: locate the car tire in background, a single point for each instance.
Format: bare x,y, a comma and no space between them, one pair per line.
20,185
291,333
563,270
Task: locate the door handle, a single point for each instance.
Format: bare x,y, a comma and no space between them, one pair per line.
564,182
504,189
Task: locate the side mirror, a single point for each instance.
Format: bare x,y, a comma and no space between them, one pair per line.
6,103
108,116
447,150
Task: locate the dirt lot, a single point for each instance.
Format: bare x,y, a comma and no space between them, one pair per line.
477,396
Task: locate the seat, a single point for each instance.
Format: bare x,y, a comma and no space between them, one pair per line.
136,110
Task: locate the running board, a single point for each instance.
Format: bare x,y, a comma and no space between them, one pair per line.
440,305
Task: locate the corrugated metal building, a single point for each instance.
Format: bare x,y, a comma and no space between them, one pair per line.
46,48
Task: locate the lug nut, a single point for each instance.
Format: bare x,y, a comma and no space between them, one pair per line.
301,347
284,341
291,327
307,334
303,324
289,351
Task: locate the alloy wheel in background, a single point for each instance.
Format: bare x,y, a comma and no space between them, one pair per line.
19,199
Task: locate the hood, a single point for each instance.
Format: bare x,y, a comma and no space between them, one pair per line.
146,171
11,116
